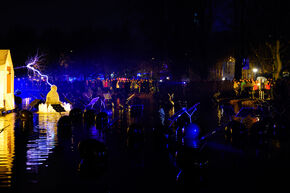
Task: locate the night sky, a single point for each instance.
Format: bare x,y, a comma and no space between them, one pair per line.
114,35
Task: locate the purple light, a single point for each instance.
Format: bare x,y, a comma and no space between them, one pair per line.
30,66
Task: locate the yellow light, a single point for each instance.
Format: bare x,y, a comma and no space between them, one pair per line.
231,59
7,148
44,108
6,81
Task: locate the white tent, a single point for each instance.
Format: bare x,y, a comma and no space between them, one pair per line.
6,81
261,79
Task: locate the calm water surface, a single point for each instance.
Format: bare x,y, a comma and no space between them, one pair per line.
37,160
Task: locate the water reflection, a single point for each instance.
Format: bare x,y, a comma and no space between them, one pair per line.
26,102
40,146
97,134
220,113
259,141
7,149
171,111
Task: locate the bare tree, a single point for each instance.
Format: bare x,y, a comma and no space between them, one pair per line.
268,57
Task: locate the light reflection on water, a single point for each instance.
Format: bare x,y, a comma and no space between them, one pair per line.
264,144
39,148
7,149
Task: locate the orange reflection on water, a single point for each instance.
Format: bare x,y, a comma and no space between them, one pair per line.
7,148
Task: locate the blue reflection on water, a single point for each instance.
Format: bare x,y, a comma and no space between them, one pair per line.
97,134
39,148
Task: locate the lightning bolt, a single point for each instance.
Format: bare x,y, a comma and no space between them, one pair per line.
30,65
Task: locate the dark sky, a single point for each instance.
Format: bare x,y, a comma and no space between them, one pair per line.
123,31
63,14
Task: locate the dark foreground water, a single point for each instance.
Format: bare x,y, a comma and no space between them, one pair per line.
38,160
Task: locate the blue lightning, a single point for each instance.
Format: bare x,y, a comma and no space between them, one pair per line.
30,66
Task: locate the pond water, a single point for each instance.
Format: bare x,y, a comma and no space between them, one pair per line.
38,160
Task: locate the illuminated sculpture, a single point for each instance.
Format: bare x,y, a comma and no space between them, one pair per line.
52,98
6,81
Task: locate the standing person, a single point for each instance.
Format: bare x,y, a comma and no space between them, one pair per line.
271,88
261,91
268,89
236,87
162,115
255,88
243,84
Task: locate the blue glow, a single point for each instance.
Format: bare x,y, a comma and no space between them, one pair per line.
177,177
71,79
192,131
195,143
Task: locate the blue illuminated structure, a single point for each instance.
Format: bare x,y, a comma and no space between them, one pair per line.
190,112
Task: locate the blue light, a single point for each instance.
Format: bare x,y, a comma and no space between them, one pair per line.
195,143
192,131
177,177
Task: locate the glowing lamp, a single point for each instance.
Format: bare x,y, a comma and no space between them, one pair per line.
255,70
191,137
192,131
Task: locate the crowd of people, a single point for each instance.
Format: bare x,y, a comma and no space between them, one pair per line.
256,89
85,90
